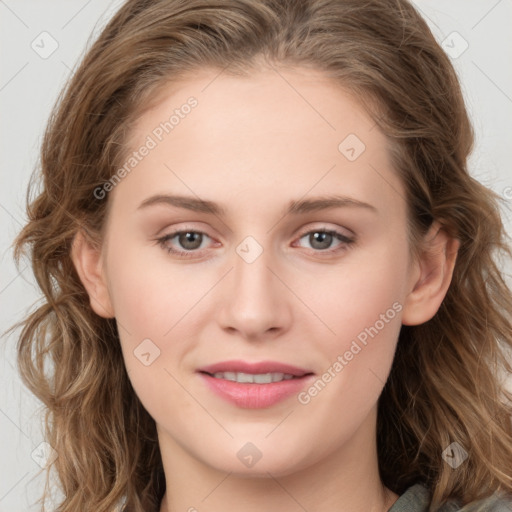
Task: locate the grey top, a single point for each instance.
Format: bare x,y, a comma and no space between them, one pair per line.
417,499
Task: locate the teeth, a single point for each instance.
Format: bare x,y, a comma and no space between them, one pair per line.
259,378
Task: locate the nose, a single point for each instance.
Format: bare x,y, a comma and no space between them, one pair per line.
254,303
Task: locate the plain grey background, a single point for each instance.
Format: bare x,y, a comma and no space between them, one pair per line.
41,42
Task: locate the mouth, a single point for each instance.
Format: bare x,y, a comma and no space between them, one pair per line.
258,378
254,385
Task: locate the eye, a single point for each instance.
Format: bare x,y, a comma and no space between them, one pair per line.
325,240
188,243
189,240
182,243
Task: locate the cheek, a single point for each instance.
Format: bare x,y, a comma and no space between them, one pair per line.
353,296
361,303
151,308
150,296
148,302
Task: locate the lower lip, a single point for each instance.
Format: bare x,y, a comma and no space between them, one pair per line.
255,396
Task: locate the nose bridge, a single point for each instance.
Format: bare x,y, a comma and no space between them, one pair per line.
255,301
252,277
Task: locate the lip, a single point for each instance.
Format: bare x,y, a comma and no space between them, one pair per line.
260,367
251,395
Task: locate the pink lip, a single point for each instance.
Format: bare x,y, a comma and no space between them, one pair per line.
261,367
250,395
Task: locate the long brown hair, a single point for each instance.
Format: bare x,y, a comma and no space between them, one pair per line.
444,385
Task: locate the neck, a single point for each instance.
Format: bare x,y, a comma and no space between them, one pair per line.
347,480
382,504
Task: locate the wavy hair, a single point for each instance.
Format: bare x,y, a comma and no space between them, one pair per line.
446,380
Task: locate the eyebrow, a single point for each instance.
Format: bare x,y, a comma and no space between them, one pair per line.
327,202
186,202
294,207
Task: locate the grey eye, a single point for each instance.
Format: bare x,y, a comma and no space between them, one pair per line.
190,240
320,240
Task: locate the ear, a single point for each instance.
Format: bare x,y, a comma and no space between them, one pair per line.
87,258
431,277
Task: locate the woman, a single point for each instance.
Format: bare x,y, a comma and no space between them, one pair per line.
270,280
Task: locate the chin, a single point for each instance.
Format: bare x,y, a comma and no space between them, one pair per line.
274,464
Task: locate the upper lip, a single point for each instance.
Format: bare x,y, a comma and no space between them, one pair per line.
254,368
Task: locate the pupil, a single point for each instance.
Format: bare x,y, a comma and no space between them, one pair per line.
190,240
320,240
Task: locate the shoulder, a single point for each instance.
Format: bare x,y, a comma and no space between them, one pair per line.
417,499
494,503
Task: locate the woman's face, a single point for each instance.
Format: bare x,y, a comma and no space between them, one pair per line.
261,231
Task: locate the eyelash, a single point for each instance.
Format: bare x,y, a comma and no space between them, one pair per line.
346,242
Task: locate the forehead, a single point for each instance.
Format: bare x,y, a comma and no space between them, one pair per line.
294,130
286,98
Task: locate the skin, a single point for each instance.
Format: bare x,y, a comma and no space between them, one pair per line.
252,145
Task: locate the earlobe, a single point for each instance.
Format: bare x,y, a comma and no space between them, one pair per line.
436,264
88,262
